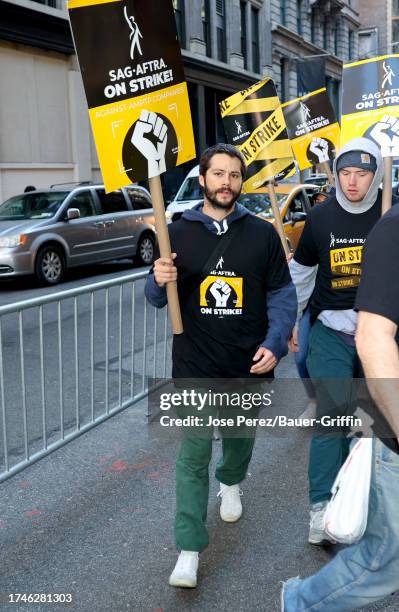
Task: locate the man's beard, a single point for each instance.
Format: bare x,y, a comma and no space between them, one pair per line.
211,196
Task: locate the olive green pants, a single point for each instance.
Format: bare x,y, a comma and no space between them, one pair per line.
192,473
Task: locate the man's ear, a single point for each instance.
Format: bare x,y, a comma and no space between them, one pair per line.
201,180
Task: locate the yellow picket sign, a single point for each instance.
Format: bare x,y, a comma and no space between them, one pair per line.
135,88
312,127
370,103
254,123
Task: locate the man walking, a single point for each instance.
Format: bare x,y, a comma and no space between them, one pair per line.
238,308
333,239
369,570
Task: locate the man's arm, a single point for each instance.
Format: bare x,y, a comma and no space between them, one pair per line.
281,314
378,351
304,278
164,271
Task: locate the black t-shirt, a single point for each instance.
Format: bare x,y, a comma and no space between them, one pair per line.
224,313
333,239
379,290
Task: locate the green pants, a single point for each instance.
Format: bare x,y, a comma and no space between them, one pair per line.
192,476
332,365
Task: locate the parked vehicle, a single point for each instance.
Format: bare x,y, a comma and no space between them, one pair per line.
319,179
188,195
45,232
294,203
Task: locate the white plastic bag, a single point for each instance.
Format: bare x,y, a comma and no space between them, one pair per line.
345,519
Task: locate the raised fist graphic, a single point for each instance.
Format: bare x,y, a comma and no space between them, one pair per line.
221,292
150,124
389,143
319,147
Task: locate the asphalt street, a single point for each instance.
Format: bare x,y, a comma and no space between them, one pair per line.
94,520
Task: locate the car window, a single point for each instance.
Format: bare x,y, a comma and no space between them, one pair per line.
259,203
296,205
34,205
85,203
112,202
139,198
190,190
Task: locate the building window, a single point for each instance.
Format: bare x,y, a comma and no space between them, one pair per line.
205,14
282,80
221,30
395,21
333,92
255,39
243,29
313,26
299,17
325,34
367,42
52,3
178,6
283,13
351,46
335,39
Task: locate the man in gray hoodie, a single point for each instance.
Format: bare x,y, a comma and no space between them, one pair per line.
332,242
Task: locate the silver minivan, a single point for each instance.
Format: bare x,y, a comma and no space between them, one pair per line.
45,232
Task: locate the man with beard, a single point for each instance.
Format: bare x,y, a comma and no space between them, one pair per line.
238,308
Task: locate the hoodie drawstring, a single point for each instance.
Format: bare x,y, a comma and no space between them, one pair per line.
221,228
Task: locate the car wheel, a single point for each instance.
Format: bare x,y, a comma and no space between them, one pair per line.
146,250
50,265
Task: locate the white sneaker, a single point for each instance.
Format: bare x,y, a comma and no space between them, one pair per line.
231,507
185,572
317,535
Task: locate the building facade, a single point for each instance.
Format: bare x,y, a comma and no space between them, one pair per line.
227,45
306,28
379,31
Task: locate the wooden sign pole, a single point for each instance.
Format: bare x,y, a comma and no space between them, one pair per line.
277,216
387,185
325,167
165,250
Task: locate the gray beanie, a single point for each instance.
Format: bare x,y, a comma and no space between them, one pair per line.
357,159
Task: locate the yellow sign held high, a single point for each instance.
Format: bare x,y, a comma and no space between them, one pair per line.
254,123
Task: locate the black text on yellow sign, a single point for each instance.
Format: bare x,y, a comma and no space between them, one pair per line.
312,127
134,84
254,122
370,102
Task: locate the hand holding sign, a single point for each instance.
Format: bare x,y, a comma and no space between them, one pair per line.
319,147
150,124
389,144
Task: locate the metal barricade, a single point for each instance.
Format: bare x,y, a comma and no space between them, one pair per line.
71,360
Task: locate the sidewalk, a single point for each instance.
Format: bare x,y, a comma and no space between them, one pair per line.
95,519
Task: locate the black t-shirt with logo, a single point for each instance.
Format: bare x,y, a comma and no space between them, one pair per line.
333,239
379,290
224,313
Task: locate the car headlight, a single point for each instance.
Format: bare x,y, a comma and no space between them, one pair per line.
12,241
168,214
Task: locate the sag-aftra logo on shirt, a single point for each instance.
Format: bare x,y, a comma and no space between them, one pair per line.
221,293
346,261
